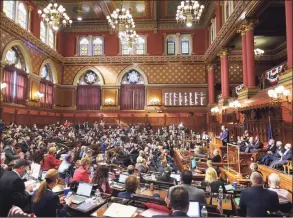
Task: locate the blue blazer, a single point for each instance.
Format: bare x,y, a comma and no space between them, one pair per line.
126,195
225,136
48,205
256,201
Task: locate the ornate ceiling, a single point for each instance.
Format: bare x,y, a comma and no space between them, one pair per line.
147,14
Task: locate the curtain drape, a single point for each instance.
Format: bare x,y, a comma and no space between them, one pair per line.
47,89
88,97
43,90
132,97
21,89
8,91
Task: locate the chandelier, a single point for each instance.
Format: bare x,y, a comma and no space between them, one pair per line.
129,37
189,11
53,14
121,20
258,52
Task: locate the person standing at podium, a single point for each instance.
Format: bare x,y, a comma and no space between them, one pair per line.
224,136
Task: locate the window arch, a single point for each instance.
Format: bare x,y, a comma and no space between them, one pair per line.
9,8
132,77
83,46
22,15
43,32
185,46
15,77
171,43
140,47
46,87
97,46
89,91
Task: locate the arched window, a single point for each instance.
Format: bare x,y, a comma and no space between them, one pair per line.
89,91
14,75
97,46
125,49
51,38
171,46
83,46
140,46
185,46
22,15
43,32
132,91
8,8
46,87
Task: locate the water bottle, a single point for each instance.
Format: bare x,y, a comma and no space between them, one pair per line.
98,196
204,212
221,196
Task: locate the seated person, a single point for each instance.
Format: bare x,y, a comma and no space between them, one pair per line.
46,203
166,176
211,180
163,166
285,198
131,184
3,166
81,174
179,202
256,201
130,170
216,156
65,165
254,168
270,149
285,157
50,161
245,135
249,145
273,155
101,179
195,194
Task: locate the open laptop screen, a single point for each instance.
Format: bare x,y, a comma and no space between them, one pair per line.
194,210
122,178
35,170
84,189
193,164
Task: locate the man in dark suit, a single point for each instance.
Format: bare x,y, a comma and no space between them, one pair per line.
285,156
224,136
13,190
257,201
179,202
273,156
10,151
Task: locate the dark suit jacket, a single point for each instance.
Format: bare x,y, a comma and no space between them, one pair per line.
13,192
126,195
179,213
256,201
10,154
271,148
48,205
258,145
216,159
287,156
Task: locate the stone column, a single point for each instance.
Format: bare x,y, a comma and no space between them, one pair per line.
244,55
29,21
250,54
288,11
219,17
224,74
211,83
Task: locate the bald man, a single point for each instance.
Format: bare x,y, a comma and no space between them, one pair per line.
257,201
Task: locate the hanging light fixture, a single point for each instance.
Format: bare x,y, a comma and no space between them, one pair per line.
189,11
54,14
129,37
121,20
258,52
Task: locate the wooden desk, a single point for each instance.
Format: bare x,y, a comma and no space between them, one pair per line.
150,193
285,180
230,176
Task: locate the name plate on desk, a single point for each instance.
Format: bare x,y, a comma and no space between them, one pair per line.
184,97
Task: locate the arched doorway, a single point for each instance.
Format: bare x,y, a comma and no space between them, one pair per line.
132,93
89,91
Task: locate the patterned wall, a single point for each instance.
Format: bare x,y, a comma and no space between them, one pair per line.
235,73
5,39
156,74
37,59
59,72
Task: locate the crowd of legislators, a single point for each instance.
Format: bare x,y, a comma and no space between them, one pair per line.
83,153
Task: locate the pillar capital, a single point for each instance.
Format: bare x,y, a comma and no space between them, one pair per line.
242,30
224,52
250,24
210,67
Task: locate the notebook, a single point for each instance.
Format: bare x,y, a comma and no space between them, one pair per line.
120,210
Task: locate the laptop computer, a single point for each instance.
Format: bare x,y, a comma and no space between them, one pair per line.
176,176
35,170
193,163
194,209
83,192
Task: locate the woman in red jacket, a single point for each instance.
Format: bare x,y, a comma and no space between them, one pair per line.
50,161
81,174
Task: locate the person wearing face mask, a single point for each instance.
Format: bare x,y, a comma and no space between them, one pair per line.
13,190
46,203
82,173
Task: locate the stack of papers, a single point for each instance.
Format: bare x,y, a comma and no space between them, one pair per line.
120,210
153,212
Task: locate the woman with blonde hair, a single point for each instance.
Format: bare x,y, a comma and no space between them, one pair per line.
50,161
81,174
46,203
211,180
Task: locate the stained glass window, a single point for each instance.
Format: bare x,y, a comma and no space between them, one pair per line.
140,46
43,32
171,46
22,15
11,57
185,46
125,50
8,8
97,46
83,47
